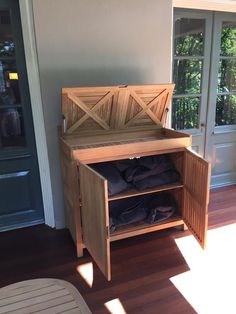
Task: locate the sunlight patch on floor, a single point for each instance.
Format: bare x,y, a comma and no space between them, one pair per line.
209,285
86,272
115,307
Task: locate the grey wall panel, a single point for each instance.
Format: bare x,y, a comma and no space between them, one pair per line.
223,158
95,43
195,148
18,182
223,164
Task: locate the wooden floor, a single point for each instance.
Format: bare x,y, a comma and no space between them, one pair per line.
141,266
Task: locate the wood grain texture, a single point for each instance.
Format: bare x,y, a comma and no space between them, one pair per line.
112,107
134,192
70,182
196,195
136,229
44,296
126,149
95,217
76,141
129,121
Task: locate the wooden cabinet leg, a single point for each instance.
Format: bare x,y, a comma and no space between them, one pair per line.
184,227
80,250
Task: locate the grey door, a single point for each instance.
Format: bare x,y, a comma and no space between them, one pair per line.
204,103
221,119
20,191
192,32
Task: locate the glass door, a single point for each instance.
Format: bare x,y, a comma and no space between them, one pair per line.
12,132
221,121
20,191
192,34
204,72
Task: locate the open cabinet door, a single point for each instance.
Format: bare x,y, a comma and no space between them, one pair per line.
196,195
95,217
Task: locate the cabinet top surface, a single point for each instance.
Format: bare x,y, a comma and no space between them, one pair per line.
122,137
92,110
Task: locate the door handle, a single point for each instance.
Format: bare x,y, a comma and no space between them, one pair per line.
202,125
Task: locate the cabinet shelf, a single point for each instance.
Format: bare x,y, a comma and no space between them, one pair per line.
134,192
138,228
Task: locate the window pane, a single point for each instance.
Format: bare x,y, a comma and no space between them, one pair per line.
185,113
6,38
11,128
227,76
9,86
189,37
187,76
228,39
225,110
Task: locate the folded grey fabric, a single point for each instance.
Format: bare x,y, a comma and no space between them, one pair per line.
167,177
117,207
141,173
148,166
124,164
116,183
151,162
160,213
150,208
162,206
129,210
127,217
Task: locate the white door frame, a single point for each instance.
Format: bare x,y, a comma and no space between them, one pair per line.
27,21
213,5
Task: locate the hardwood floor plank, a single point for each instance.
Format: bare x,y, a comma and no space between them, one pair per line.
141,266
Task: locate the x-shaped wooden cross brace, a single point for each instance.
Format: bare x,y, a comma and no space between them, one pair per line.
90,113
146,108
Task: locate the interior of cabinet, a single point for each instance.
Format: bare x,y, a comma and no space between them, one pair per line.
142,227
177,158
175,189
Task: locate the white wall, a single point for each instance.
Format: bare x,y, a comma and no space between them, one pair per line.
97,42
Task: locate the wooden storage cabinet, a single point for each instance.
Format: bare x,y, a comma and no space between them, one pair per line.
86,191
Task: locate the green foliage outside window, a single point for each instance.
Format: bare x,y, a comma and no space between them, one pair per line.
226,104
189,45
7,48
187,76
228,39
189,42
185,113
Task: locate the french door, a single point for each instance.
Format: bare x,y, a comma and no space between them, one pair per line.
204,102
20,190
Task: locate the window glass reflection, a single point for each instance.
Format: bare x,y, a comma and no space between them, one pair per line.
9,89
7,48
9,86
187,76
11,128
12,132
228,39
225,110
227,75
185,113
189,37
